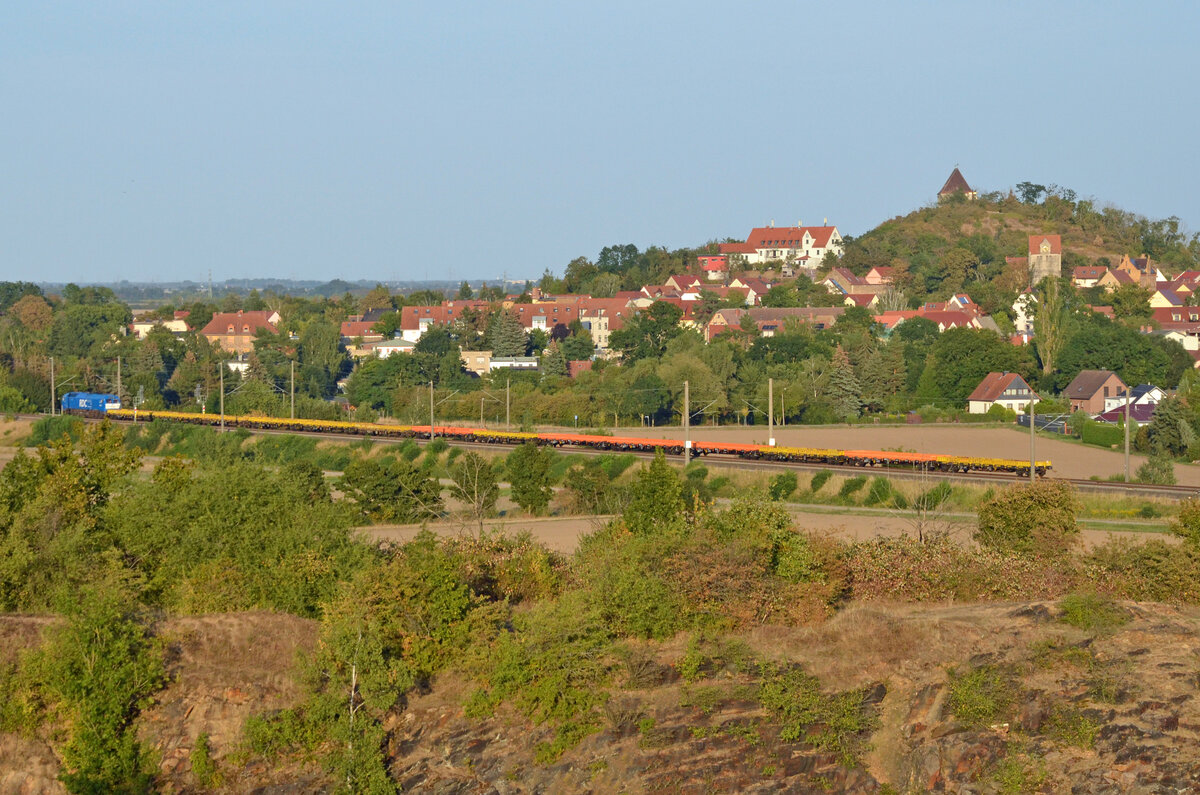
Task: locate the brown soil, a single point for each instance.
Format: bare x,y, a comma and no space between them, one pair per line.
1070,460
562,534
1136,688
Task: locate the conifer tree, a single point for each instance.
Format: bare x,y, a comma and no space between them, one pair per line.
844,391
554,363
506,336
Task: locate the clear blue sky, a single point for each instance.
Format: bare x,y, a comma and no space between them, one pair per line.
156,141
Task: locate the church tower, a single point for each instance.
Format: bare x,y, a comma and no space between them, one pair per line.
1045,258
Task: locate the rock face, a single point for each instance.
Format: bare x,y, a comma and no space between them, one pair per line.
1071,711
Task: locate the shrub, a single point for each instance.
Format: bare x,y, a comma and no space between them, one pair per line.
529,475
880,492
1034,519
1091,612
837,723
48,429
819,480
851,486
1186,524
656,499
783,485
1158,470
982,696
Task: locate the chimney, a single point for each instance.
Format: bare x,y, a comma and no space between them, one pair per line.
825,222
799,224
772,224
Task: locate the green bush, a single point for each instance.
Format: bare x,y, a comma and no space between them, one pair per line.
1158,470
880,492
1033,519
983,696
837,723
819,480
48,429
1092,612
783,485
851,486
1102,434
1186,524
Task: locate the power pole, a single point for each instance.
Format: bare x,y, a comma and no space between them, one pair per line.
222,397
770,412
687,420
293,363
481,411
507,404
1032,437
118,379
1126,434
431,410
53,392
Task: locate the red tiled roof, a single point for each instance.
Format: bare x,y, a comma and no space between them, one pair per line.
242,323
358,328
956,183
735,248
1035,244
993,385
1088,383
1088,272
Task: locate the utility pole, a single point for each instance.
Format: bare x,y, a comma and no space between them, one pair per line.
1126,434
481,411
293,363
431,410
118,379
53,392
1032,438
222,397
507,404
770,412
687,419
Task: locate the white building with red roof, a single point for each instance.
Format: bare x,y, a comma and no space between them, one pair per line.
1001,389
235,331
805,246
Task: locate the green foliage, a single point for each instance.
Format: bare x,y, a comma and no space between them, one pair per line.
1186,524
837,723
852,486
880,492
1092,612
395,492
623,580
1071,726
49,429
204,767
1102,434
983,696
1019,773
98,670
783,485
656,501
1158,470
529,475
475,485
819,480
1034,519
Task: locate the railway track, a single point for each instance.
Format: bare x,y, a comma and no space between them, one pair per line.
743,464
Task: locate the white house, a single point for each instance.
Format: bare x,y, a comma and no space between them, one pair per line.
806,246
1001,389
1023,309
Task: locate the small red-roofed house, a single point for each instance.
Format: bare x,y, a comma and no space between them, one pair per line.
716,267
1087,275
880,275
235,331
1001,389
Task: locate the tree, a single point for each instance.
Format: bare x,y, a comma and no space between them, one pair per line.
843,390
579,346
529,475
1131,302
398,492
553,363
505,335
1030,192
656,499
646,334
1170,433
475,485
465,293
1050,319
1035,519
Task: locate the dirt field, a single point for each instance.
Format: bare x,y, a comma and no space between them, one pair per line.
562,534
1070,460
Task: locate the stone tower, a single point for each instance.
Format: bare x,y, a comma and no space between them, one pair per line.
1045,258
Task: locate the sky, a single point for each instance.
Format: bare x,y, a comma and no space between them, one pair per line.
417,140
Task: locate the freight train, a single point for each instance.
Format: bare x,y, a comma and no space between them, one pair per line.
89,404
798,455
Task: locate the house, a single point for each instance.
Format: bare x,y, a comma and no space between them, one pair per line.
602,316
385,348
362,329
416,320
805,246
880,275
513,363
842,281
770,320
1045,258
955,185
1088,391
683,283
1140,395
1115,277
477,362
1141,270
1023,309
716,268
1087,275
1165,297
235,331
176,325
1001,389
868,300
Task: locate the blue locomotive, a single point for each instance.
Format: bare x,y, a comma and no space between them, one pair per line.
89,404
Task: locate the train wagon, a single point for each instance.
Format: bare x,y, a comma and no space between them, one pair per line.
798,455
89,404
